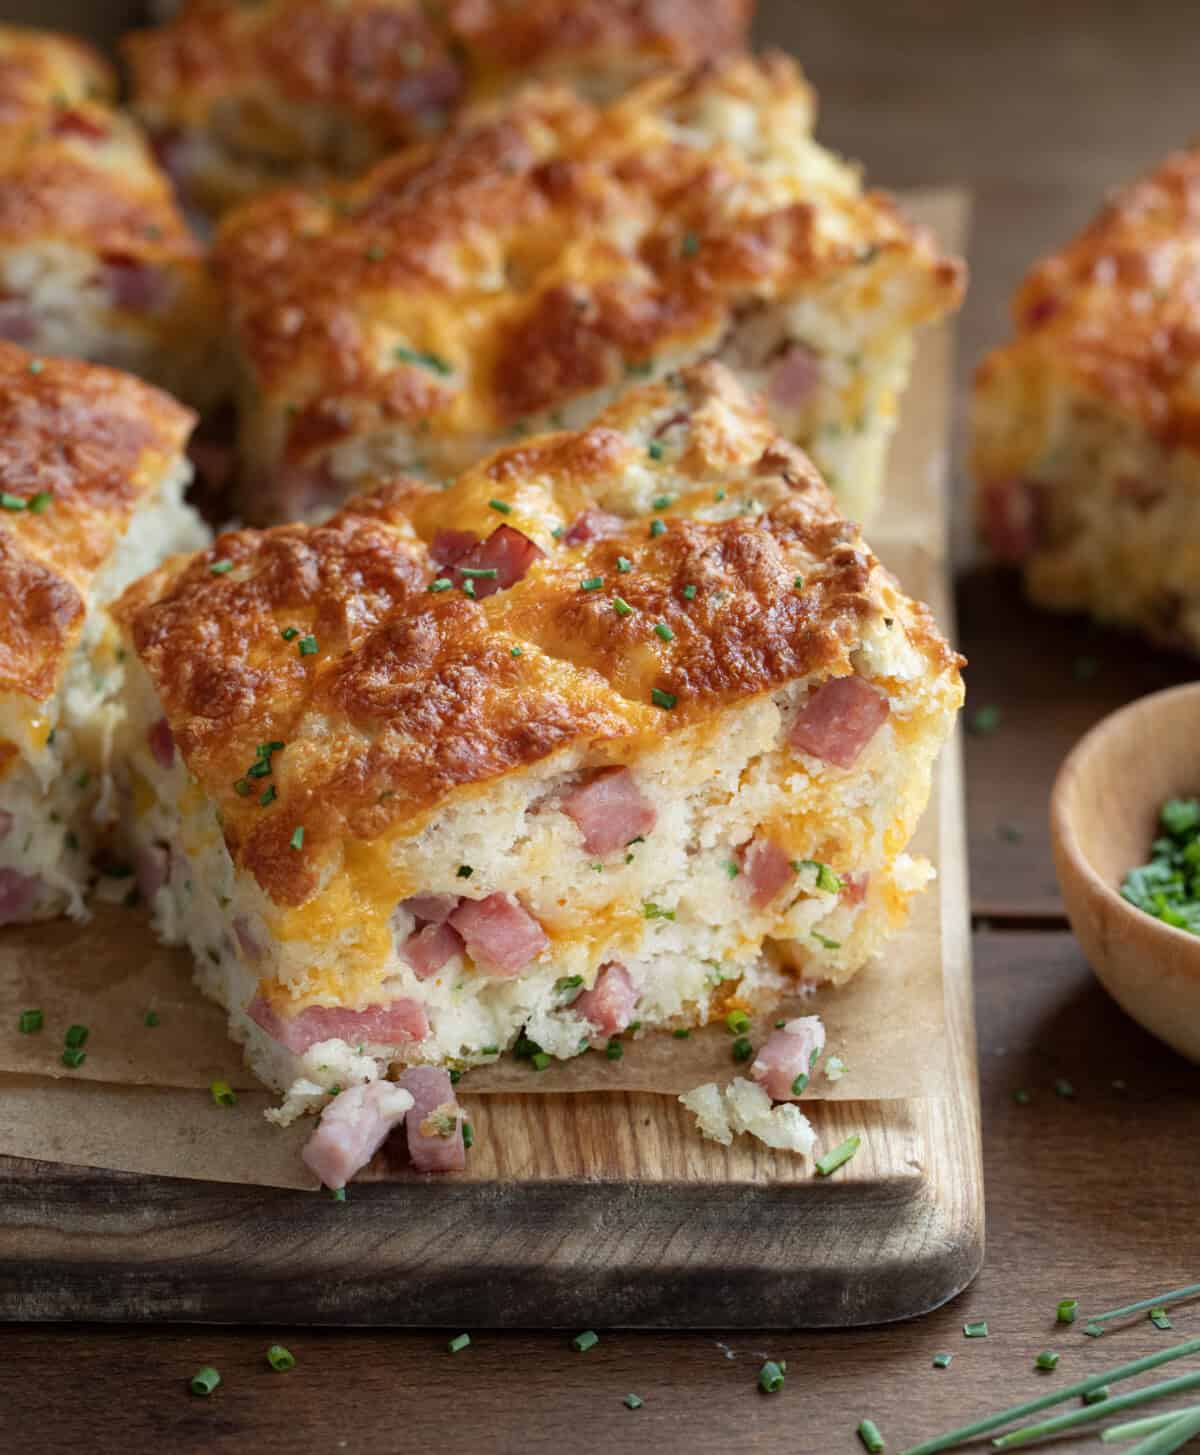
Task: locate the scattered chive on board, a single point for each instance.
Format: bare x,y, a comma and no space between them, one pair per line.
1066,1311
840,1155
1047,1360
581,1343
1026,1434
459,1342
942,1361
633,1401
771,1376
204,1381
280,1359
223,1094
976,1329
869,1434
30,1021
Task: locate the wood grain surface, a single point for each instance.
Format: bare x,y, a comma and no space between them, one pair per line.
1037,108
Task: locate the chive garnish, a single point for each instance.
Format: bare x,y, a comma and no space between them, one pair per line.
798,583
581,1343
468,589
614,1050
37,503
1047,1360
661,629
591,583
1158,1317
681,1033
657,528
30,1021
1027,1433
825,942
268,795
481,573
468,1136
621,606
689,245
150,1018
567,982
800,1085
501,505
732,868
11,502
742,1050
35,366
1066,1310
73,1057
665,700
290,633
540,1060
297,839
633,1402
650,910
942,1361
514,651
976,1329
624,566
640,371
441,583
243,788
654,450
280,1359
489,1050
458,1343
868,1433
840,1155
1063,1088
689,593
464,871
422,360
307,646
738,1022
661,502
76,1036
953,1438
223,1094
204,1381
770,1377
984,720
220,568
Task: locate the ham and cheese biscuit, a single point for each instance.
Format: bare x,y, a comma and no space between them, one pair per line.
96,261
1087,425
240,97
521,273
91,479
620,723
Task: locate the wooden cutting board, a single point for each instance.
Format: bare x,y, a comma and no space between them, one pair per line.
606,1209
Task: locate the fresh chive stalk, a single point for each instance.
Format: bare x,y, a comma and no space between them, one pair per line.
1028,1433
1147,1425
1190,1290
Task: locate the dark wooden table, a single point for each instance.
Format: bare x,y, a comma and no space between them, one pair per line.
1037,107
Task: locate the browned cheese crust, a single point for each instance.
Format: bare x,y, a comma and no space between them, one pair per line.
1117,311
398,68
535,197
413,694
87,445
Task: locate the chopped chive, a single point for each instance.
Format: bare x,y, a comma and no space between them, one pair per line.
661,629
1022,1097
76,1036
73,1057
592,583
567,982
798,583
442,583
35,366
468,588
689,245
770,1377
268,795
839,1156
39,502
455,1076
681,1033
976,1329
458,1343
421,359
464,871
307,646
657,528
1158,1317
650,910
640,370
689,593
514,651
1066,1310
718,496
868,1433
800,1085
223,1094
297,839
150,1018
481,573
654,450
614,1050
468,1136
732,868
824,941
1047,1360
375,254
984,720
540,1060
220,568
741,1049
11,502
1063,1088
1095,1396
243,788
665,700
338,1194
30,1021
661,502
290,633
633,1402
1024,1434
1158,1301
204,1381
1093,1330
621,606
624,565
942,1361
280,1359
738,1022
581,1343
501,505
953,1438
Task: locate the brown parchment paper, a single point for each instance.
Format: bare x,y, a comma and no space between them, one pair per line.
140,1100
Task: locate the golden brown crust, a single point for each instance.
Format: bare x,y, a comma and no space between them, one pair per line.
43,70
1116,309
412,695
93,443
540,252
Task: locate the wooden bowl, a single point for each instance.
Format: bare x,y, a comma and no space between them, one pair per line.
1103,817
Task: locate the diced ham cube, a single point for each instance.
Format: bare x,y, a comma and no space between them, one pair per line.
839,719
450,546
766,868
354,1126
854,888
794,378
1010,519
6,823
162,744
18,895
84,124
434,1122
383,1025
788,1054
609,1004
136,287
507,552
431,909
593,525
501,936
18,321
428,949
152,869
609,810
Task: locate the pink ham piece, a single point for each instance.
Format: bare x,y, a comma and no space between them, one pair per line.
428,949
6,823
609,810
609,1004
384,1025
152,869
449,546
18,322
593,525
434,1121
18,895
795,377
80,123
431,909
354,1126
1009,513
507,552
839,719
162,744
135,286
501,936
765,870
787,1054
854,888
